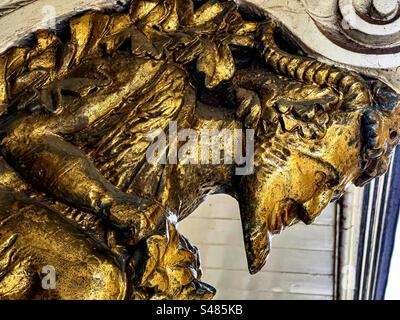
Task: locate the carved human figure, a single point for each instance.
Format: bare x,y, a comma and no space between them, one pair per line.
77,191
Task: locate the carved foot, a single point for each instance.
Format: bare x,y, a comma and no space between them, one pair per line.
172,269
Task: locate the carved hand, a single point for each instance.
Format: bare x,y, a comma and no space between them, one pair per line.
63,171
135,215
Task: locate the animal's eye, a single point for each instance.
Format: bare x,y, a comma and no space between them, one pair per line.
393,135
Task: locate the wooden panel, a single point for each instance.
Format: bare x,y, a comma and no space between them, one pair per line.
252,295
300,265
283,260
274,282
225,207
221,232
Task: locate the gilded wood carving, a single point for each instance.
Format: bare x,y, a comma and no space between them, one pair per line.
78,192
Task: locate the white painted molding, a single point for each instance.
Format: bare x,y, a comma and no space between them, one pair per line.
19,18
301,17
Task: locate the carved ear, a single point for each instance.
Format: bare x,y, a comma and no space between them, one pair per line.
257,239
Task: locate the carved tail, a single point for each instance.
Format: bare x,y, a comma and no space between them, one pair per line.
355,91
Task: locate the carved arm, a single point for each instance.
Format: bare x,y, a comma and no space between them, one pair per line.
64,171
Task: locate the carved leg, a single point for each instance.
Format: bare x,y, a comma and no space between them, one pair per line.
171,268
60,169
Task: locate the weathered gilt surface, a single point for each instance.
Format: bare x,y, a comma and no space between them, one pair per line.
78,193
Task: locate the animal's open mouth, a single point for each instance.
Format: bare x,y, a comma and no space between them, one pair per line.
304,216
289,215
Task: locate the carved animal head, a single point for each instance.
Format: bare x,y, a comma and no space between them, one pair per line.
309,147
318,128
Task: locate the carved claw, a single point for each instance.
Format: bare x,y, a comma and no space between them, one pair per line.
171,269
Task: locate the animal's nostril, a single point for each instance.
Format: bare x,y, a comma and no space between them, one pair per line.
393,135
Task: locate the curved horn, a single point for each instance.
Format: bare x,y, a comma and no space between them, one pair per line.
355,91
